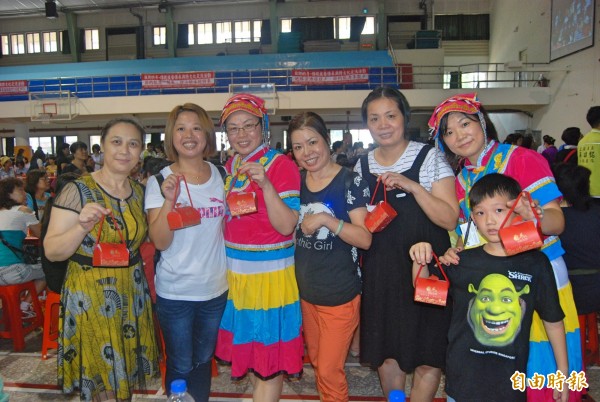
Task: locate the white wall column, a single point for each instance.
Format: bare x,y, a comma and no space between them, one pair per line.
21,134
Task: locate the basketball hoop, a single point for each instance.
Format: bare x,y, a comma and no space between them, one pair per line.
45,118
52,106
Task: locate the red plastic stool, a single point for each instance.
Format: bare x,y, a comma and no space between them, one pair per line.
50,337
588,327
13,323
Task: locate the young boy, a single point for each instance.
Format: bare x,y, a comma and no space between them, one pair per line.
494,298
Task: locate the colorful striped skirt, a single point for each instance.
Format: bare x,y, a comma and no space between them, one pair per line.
260,330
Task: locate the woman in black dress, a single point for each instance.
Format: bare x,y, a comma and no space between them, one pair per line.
399,335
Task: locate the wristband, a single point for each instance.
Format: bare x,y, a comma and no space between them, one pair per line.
339,228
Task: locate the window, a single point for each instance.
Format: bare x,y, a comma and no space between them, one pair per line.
222,143
343,28
205,33
33,43
45,142
369,28
50,42
257,30
159,35
463,26
358,135
224,32
191,40
17,44
5,46
94,139
69,139
286,25
92,39
243,32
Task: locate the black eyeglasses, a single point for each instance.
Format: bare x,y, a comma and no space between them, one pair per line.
247,128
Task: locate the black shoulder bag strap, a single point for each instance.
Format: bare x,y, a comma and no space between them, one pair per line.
16,250
222,171
35,205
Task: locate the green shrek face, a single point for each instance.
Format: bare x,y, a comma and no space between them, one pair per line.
496,311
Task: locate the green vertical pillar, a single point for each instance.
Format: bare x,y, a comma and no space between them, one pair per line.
74,37
274,19
171,33
381,26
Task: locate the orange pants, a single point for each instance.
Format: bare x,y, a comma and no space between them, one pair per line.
328,333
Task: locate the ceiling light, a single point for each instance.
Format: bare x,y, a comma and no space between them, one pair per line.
51,10
163,6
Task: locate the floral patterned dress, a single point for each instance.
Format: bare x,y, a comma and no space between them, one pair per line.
107,346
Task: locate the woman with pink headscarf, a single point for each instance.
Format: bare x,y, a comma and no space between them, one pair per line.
462,128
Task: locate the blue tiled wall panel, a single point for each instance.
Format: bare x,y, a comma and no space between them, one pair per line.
240,74
390,79
259,73
356,86
375,79
102,94
115,93
51,87
208,90
83,88
36,88
99,87
150,92
68,87
14,97
222,82
240,81
134,85
117,86
173,91
279,81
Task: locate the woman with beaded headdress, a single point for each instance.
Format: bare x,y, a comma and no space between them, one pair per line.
260,332
461,127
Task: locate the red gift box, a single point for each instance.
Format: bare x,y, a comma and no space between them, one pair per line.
182,217
383,213
110,254
521,235
432,290
242,203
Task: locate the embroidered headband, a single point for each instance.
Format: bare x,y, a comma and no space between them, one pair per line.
250,104
464,103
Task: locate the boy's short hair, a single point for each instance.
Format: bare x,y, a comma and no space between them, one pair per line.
493,184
